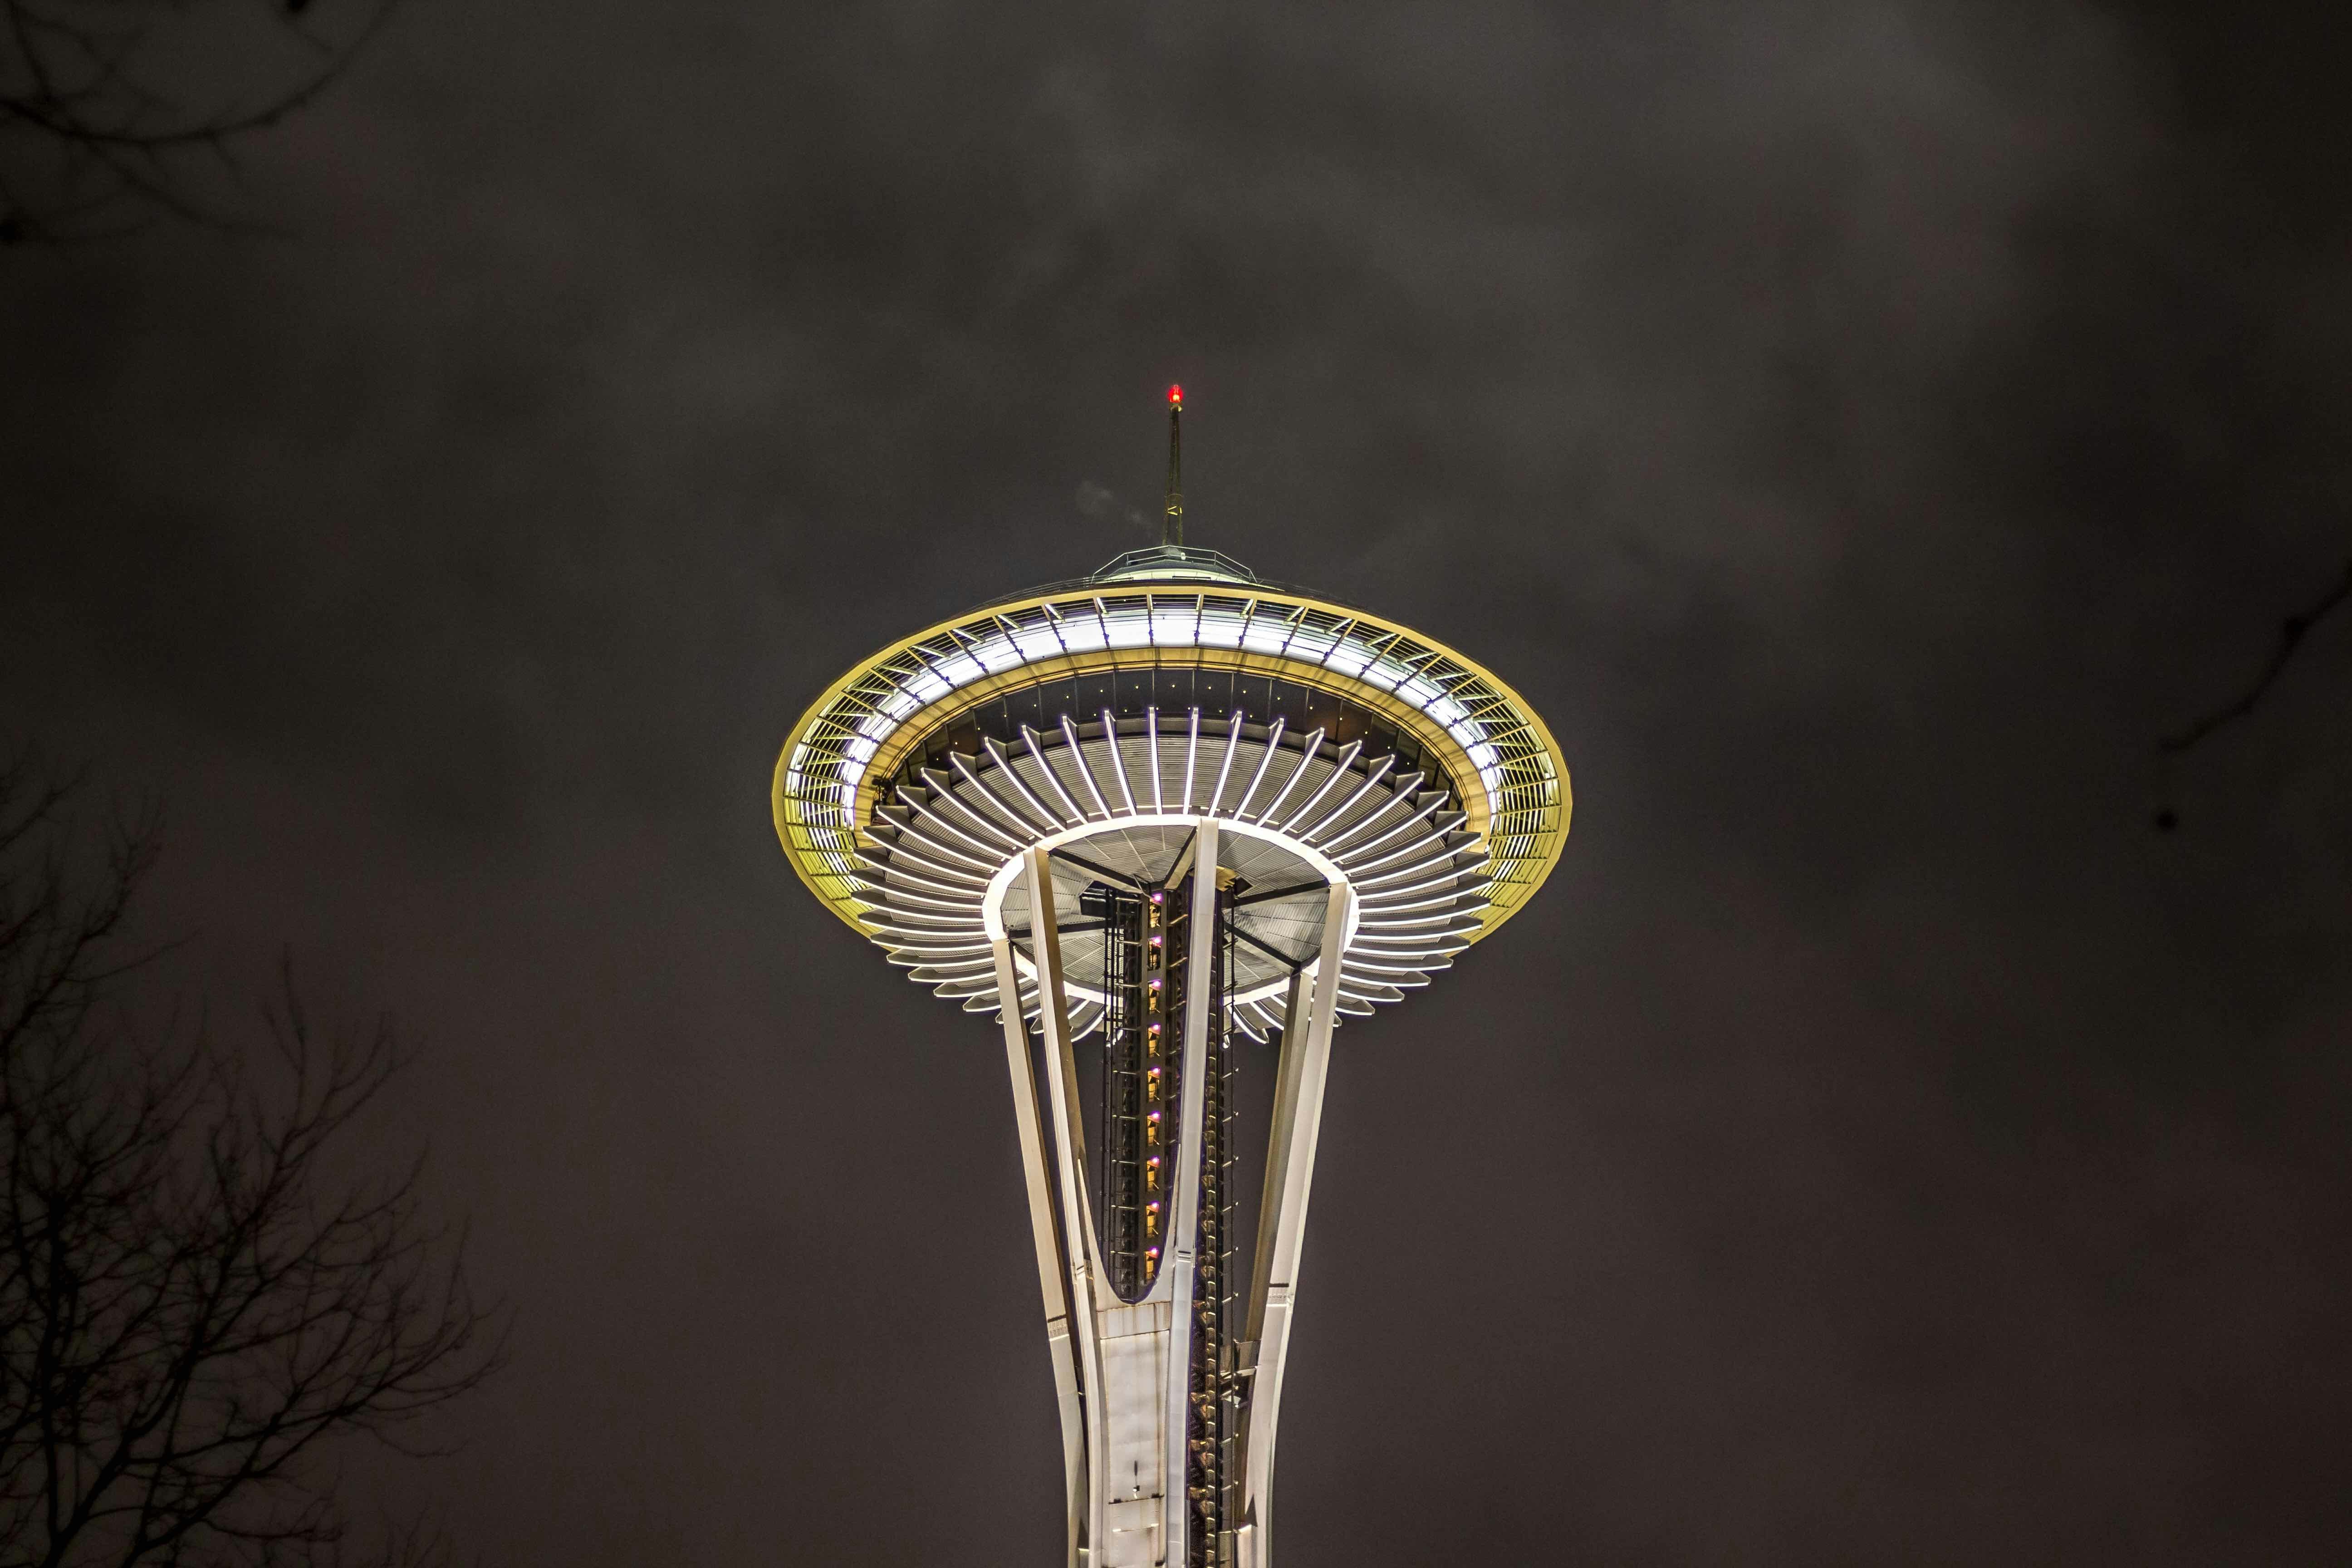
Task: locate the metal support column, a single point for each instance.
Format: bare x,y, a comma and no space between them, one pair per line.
1045,1230
1078,1249
1282,1219
1184,1201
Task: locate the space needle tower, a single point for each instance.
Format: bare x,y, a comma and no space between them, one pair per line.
1168,824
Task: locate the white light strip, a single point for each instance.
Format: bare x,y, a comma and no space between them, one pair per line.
996,802
1273,745
1151,732
944,825
1029,739
948,797
1225,768
1305,755
1078,756
1372,781
1192,755
1005,766
1117,761
1338,771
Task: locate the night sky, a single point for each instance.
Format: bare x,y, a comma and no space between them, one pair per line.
1861,431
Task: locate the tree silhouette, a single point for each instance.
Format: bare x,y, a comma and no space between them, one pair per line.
196,1304
110,109
2292,631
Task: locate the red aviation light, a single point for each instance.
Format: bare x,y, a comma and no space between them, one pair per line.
1175,397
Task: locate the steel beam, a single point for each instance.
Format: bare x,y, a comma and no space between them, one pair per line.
1080,1265
1046,1231
1282,1219
1178,1261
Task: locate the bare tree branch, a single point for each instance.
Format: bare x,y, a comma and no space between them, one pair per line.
194,1311
2292,632
93,130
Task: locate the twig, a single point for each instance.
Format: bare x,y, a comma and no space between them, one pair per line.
2292,632
85,136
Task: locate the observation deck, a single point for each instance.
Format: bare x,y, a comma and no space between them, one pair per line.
1168,628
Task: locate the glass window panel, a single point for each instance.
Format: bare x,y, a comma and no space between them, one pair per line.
1129,626
1221,627
1312,642
1038,642
1268,632
1174,628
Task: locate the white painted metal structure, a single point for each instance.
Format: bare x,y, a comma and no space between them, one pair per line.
1396,886
1501,763
1340,862
1124,1447
1294,808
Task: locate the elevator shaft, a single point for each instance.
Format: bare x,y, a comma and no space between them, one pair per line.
1168,1358
1149,992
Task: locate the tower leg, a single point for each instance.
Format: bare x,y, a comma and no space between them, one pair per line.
1045,1230
1080,1264
1282,1220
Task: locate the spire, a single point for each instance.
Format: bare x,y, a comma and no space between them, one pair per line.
1171,528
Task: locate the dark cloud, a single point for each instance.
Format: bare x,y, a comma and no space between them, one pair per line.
1862,430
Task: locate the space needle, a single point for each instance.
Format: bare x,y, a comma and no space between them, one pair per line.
1168,824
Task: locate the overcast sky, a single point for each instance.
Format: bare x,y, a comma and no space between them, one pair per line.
1860,430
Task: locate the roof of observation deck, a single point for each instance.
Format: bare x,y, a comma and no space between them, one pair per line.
1179,565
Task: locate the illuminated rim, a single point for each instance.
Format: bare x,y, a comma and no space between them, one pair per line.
1505,767
949,847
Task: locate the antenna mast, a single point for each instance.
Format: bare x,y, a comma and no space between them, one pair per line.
1171,527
